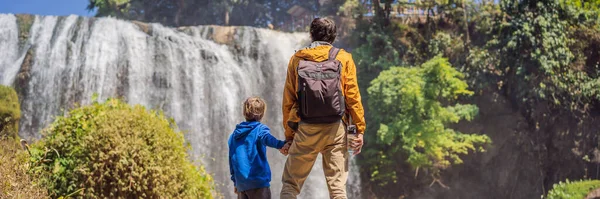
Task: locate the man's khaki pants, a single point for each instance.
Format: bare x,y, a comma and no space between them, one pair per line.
309,141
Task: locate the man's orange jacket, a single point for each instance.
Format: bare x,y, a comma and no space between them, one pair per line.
349,88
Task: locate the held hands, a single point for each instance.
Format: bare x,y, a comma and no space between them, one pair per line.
285,149
357,144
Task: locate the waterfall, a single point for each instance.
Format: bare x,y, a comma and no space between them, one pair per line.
197,75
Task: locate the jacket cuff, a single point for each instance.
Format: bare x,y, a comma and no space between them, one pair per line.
280,144
289,138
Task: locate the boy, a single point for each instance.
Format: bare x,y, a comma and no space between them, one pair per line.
248,164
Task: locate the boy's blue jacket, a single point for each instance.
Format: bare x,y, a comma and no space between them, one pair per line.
248,155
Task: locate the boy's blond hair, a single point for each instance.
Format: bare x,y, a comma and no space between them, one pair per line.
254,109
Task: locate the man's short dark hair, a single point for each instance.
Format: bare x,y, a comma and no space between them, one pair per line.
323,29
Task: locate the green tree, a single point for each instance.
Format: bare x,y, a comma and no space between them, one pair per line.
593,5
413,118
114,150
117,8
259,13
535,44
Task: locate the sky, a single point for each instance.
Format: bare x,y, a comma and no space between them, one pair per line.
45,7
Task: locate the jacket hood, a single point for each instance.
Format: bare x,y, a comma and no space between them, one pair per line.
318,54
244,128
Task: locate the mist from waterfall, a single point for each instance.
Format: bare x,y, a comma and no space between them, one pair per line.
197,81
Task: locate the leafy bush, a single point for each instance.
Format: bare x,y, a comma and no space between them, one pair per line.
114,150
10,112
568,190
413,120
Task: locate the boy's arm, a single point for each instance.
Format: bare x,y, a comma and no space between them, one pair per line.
266,138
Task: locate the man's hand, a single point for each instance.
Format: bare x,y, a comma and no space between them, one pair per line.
357,144
285,149
235,190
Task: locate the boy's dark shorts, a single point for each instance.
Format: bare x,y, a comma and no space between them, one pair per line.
260,193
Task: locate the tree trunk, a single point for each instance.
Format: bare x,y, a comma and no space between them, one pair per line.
382,14
467,40
227,18
388,9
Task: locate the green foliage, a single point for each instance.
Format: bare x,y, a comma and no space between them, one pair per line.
569,190
536,51
592,5
380,48
444,44
538,33
412,118
440,43
543,56
10,112
114,150
377,54
118,8
351,8
261,13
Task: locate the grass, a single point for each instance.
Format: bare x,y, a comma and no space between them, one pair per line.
16,183
573,190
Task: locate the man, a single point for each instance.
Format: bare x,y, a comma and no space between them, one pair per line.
320,95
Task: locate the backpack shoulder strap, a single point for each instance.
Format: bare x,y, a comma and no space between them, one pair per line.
333,52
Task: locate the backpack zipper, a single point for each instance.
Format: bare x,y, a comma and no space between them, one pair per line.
304,107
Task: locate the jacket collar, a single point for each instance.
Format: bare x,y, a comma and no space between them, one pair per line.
318,43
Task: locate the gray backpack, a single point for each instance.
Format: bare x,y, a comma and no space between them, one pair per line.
319,90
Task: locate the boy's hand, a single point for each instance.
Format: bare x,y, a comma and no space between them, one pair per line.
285,149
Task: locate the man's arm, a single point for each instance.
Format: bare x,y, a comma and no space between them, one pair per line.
353,99
289,106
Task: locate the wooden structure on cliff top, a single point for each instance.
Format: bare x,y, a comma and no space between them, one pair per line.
301,17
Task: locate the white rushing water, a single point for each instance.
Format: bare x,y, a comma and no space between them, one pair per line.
195,80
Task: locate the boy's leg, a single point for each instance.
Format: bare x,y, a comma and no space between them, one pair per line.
260,193
335,162
307,143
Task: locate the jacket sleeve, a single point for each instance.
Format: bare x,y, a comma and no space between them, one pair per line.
289,105
231,165
266,138
352,96
231,171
